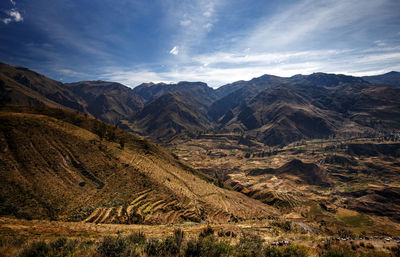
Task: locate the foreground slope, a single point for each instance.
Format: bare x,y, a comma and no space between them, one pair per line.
60,165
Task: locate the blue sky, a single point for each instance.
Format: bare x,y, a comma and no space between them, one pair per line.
217,42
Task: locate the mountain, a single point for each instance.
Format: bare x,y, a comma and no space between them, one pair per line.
240,93
173,109
269,109
169,115
325,79
278,111
280,115
391,78
22,86
64,166
199,91
108,101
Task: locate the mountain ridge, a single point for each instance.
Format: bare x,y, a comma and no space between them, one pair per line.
338,101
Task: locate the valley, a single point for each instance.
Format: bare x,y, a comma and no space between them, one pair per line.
307,159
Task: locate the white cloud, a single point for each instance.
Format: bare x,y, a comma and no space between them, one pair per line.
16,15
379,43
174,50
12,2
7,20
13,15
185,23
208,26
69,72
207,13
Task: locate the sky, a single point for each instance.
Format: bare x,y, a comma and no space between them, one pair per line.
217,42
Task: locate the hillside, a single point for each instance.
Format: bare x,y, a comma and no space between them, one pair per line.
60,165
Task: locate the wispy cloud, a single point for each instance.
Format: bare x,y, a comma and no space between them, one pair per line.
174,50
185,23
304,23
72,73
196,19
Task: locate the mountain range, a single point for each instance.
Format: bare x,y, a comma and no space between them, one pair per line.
269,109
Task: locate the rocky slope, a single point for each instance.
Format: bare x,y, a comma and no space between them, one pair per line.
60,165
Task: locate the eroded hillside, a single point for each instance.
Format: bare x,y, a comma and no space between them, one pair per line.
61,165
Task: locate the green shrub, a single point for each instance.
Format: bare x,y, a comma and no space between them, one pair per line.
37,249
112,246
251,246
193,248
170,246
376,254
179,235
153,247
207,246
396,251
137,238
210,246
63,247
296,251
284,225
58,248
338,253
272,251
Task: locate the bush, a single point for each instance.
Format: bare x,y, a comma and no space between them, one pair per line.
396,251
272,251
170,246
112,246
63,247
250,246
179,235
284,225
210,246
338,253
207,231
192,249
58,248
207,246
296,250
37,249
153,247
376,254
137,238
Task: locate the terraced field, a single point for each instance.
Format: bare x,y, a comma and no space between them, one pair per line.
308,181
